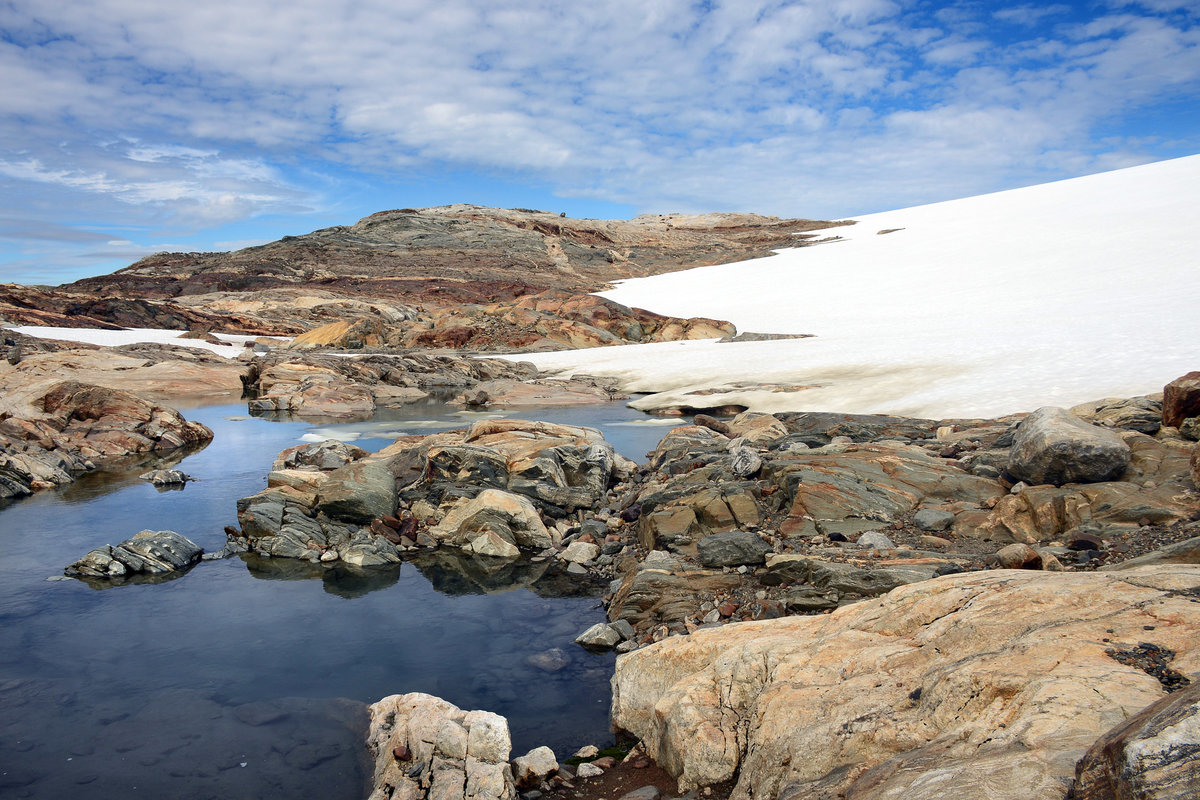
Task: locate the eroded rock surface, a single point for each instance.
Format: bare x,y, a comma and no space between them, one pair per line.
982,685
426,747
1153,756
50,436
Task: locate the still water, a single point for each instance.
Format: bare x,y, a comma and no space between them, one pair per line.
247,678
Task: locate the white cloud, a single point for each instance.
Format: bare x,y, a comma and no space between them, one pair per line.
192,112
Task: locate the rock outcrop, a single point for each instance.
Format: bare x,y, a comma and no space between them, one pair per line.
1153,756
426,747
553,319
984,685
154,553
69,428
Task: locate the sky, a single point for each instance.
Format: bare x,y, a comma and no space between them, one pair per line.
129,127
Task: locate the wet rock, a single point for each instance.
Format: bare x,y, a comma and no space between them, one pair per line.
933,520
1053,446
732,549
553,660
1155,755
166,477
147,553
1181,399
325,456
963,671
454,754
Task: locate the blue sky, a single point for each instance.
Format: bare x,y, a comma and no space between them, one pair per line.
133,126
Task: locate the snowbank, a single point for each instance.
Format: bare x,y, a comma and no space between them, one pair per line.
1058,293
105,338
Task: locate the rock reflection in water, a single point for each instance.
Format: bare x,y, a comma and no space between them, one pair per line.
340,579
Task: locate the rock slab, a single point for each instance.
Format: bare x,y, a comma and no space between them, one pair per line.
975,685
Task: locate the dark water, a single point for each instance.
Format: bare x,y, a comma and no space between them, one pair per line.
246,677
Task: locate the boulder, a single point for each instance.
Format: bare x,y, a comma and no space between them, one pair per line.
580,553
933,519
732,549
1181,399
1054,446
1153,756
510,516
428,749
147,553
600,636
534,767
989,684
166,477
359,492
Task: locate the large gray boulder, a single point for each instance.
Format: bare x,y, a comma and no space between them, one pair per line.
359,492
1155,755
1054,446
147,553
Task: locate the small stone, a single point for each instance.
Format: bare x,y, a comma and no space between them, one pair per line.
400,753
588,771
329,555
587,751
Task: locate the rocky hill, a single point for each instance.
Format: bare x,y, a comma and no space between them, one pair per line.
461,253
408,267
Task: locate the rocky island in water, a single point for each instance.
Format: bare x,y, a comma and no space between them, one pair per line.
806,602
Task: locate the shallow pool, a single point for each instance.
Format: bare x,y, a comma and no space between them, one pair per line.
247,677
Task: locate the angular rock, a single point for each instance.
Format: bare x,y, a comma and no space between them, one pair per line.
745,462
599,636
986,684
732,549
1153,756
1053,446
580,553
451,754
534,767
147,553
1181,399
510,516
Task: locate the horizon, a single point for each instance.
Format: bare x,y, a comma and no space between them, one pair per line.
129,132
